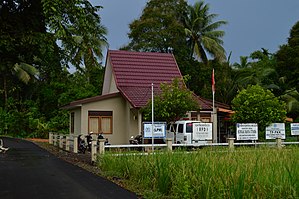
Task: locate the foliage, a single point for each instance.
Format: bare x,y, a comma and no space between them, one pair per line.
78,87
256,105
261,70
243,63
208,173
224,75
38,40
78,27
288,59
291,98
172,103
158,29
202,34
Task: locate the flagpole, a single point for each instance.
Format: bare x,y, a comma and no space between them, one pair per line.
213,89
152,117
213,111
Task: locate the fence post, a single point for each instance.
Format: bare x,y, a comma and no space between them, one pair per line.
278,143
75,144
231,143
67,143
50,138
102,146
55,137
61,137
169,144
94,147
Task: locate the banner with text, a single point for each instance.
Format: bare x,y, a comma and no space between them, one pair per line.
159,130
294,128
202,131
275,130
247,131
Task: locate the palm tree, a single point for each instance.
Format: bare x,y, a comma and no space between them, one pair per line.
202,35
88,50
78,27
260,71
291,98
243,63
88,46
23,71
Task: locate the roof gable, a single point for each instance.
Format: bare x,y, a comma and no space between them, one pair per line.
134,72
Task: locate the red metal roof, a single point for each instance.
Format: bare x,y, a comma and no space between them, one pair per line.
134,72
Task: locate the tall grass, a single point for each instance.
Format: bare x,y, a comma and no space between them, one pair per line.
244,173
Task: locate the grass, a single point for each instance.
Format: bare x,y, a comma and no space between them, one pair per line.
209,173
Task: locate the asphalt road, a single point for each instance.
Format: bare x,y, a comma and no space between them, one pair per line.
27,171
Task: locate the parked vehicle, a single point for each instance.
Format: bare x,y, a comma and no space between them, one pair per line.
136,140
100,136
81,145
88,139
183,132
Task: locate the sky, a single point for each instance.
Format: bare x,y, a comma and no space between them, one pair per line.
252,24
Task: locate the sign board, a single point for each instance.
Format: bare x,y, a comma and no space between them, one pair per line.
275,130
159,130
247,131
294,128
202,131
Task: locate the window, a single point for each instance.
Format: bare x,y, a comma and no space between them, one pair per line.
180,128
72,122
100,121
189,127
106,124
193,115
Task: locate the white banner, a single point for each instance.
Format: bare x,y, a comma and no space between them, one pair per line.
159,130
202,131
294,128
275,130
247,131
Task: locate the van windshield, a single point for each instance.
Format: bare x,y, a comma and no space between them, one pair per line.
189,128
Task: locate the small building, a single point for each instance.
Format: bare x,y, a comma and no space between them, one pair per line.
127,88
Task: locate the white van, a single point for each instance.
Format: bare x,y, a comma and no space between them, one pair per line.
184,132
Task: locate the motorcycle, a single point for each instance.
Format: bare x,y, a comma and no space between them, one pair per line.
88,139
136,140
81,145
100,137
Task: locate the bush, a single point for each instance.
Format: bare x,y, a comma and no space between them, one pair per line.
256,105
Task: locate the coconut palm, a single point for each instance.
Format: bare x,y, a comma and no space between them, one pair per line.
243,63
202,35
88,50
291,98
23,71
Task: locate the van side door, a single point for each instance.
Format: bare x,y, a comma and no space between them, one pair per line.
180,133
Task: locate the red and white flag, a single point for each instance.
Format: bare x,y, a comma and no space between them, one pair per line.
213,82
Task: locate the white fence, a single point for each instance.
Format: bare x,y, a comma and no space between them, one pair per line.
70,143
